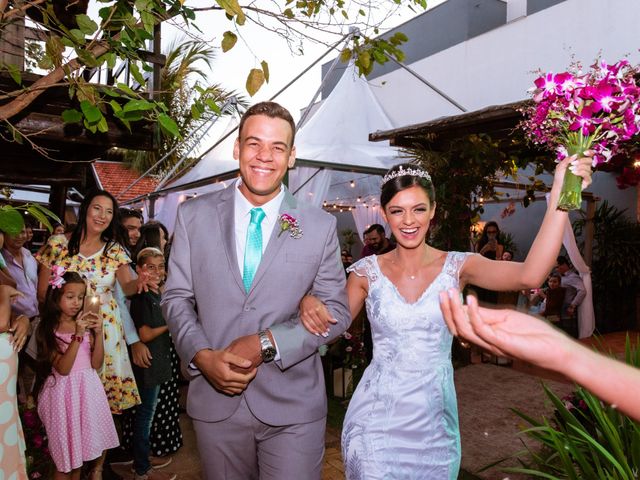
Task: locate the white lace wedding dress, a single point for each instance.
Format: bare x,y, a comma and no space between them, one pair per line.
402,422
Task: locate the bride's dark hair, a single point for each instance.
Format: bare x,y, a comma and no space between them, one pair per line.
397,183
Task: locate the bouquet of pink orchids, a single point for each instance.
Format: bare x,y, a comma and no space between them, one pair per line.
574,112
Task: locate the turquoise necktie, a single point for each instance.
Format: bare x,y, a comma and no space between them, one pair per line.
253,248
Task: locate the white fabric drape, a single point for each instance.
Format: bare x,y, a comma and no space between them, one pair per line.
315,190
166,207
586,315
364,217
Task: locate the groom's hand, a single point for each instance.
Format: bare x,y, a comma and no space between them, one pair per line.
226,371
247,347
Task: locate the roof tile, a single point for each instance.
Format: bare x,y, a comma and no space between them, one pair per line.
115,177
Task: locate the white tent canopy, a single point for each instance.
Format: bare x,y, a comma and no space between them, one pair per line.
333,149
338,132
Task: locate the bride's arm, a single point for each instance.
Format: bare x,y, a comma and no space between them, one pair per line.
316,317
505,276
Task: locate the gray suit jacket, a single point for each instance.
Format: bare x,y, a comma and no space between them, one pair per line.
206,306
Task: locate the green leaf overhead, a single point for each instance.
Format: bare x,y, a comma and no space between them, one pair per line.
229,40
168,125
72,116
92,114
254,81
233,9
265,70
86,25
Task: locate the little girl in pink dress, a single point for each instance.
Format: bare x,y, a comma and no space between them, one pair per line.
72,403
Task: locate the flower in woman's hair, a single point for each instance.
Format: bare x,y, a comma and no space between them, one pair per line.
56,280
287,222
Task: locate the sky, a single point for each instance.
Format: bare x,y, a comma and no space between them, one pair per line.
255,45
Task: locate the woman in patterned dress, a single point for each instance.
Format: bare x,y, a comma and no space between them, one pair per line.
95,251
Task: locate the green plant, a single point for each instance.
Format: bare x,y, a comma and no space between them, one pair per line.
615,265
464,171
80,41
39,464
595,442
191,102
12,221
507,241
348,238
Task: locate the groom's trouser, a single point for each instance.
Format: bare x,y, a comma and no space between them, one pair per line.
243,448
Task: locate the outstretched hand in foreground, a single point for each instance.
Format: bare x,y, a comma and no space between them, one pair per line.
517,335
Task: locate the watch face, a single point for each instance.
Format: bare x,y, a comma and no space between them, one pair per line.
268,354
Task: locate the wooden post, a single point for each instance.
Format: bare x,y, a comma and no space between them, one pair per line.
12,42
589,231
58,200
155,86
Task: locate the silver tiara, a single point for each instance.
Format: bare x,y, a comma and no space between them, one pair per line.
401,172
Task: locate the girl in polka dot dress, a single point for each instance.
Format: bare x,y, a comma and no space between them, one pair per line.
72,403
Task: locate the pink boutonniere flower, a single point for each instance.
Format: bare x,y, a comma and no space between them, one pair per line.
287,222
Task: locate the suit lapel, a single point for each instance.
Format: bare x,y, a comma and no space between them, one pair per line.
277,240
226,213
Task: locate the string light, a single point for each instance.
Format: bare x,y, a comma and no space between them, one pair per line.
324,204
352,183
359,199
636,164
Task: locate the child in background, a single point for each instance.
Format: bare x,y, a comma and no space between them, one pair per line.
552,298
153,331
72,403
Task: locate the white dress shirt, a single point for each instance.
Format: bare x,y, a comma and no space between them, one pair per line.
242,219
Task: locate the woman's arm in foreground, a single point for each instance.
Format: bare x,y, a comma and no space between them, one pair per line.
515,334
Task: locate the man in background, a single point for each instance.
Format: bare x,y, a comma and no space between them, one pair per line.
574,295
376,241
131,221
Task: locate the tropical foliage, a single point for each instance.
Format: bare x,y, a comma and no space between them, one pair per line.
191,102
77,45
615,266
464,171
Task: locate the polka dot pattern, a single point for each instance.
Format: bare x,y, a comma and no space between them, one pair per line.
12,462
165,437
75,412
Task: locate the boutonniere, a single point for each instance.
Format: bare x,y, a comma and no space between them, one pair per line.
287,222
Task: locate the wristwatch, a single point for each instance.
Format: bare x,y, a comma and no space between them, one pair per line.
267,349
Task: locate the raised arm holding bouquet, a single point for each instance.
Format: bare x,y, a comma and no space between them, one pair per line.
574,112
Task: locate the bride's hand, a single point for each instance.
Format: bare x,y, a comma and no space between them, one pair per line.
581,167
315,316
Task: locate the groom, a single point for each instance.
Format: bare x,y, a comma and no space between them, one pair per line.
241,261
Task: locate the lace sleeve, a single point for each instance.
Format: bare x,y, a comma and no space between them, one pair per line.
455,263
365,267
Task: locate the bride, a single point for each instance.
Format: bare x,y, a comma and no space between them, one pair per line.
402,422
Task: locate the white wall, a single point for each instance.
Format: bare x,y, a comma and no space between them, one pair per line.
498,66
